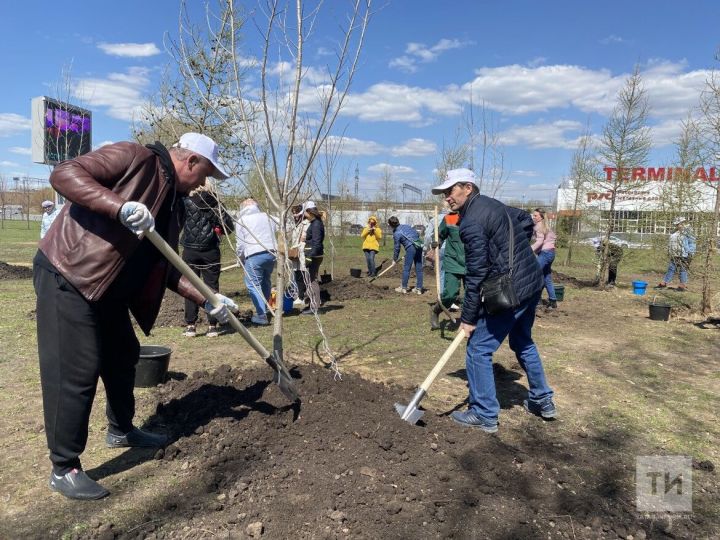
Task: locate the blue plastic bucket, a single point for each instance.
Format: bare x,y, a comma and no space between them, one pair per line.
287,303
639,287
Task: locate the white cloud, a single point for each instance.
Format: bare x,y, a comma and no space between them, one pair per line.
543,135
101,144
420,53
23,151
394,169
414,147
399,103
527,174
9,164
537,61
324,51
612,38
131,50
12,124
120,93
355,147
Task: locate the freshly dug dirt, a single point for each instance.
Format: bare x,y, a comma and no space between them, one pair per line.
351,288
9,271
243,463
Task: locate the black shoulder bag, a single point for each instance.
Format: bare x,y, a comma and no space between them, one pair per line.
498,293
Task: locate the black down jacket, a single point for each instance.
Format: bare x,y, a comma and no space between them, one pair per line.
484,231
202,214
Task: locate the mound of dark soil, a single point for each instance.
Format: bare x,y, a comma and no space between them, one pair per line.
243,463
9,271
559,277
351,288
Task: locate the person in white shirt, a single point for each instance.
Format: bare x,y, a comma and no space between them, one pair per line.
50,212
257,248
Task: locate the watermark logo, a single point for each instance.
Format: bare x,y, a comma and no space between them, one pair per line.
663,483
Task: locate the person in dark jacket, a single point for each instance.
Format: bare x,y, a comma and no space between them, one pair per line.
408,238
206,221
314,238
485,226
92,269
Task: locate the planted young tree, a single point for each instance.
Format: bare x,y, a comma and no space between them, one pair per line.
710,127
287,109
485,154
583,173
386,195
624,146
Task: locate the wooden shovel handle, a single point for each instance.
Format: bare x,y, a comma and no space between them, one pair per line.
437,268
459,338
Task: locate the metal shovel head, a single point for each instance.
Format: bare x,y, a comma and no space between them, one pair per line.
283,378
411,416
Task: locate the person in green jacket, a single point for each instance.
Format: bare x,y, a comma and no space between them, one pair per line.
453,264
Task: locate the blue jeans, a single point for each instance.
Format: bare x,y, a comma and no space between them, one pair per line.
258,276
545,259
489,334
370,260
413,255
680,265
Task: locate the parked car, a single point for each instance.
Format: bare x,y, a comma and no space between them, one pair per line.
355,229
625,244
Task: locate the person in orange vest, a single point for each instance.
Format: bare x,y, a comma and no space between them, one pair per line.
453,265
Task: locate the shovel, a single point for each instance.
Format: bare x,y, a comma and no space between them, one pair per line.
381,273
282,376
437,268
229,267
411,413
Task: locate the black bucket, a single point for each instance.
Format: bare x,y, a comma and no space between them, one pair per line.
326,278
355,272
660,311
152,367
559,292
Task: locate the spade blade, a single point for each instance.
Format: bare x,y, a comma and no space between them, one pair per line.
410,415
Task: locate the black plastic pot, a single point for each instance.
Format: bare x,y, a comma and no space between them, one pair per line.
559,292
660,311
152,367
326,278
355,272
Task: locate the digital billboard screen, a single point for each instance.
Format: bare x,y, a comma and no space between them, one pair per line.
61,131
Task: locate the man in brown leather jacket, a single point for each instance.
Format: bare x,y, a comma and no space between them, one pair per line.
92,270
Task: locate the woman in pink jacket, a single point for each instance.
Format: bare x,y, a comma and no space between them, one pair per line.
544,248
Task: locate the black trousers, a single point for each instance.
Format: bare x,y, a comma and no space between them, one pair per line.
206,264
79,341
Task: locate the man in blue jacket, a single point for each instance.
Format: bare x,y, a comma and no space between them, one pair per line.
407,237
484,231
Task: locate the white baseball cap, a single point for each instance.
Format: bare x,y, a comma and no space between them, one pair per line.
308,204
679,220
206,147
455,176
47,204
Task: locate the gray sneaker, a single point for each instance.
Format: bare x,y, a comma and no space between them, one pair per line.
190,331
545,409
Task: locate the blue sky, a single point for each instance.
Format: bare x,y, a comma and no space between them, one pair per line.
543,69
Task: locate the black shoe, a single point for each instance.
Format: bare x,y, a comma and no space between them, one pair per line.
135,438
77,485
552,304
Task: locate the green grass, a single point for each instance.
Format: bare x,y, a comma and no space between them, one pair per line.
18,243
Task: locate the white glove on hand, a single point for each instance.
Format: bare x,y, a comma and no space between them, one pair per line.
136,217
221,313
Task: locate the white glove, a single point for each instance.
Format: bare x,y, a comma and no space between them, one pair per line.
136,217
222,312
